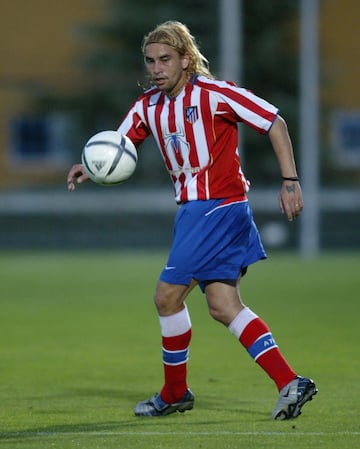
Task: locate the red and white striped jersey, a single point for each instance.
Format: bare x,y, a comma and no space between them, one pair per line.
197,134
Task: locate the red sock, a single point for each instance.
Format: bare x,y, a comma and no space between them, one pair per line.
175,357
258,340
255,335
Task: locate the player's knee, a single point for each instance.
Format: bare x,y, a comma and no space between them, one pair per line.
160,302
167,300
218,315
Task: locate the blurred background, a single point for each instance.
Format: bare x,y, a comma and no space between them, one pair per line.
72,68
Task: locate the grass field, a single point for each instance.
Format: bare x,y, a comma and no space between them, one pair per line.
80,345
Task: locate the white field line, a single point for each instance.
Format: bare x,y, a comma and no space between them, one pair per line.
144,433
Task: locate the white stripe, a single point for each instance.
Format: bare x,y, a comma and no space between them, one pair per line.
201,146
265,350
207,186
151,119
224,205
199,131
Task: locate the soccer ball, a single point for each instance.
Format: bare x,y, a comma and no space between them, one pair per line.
109,158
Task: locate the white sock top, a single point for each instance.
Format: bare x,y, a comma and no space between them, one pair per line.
176,324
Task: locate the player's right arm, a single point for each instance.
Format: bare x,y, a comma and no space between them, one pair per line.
132,126
76,175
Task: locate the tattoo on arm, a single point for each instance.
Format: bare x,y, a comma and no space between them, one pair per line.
290,188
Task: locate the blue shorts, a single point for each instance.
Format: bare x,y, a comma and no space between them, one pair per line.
213,240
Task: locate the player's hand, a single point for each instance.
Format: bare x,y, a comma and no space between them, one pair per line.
290,199
76,175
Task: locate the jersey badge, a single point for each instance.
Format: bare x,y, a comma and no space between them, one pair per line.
191,114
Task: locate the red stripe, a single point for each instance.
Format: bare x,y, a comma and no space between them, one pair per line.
145,105
177,343
253,331
171,118
189,130
137,131
243,101
234,199
207,117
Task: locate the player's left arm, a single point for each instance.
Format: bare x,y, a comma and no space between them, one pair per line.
290,198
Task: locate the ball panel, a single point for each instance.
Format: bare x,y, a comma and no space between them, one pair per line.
86,165
116,160
129,148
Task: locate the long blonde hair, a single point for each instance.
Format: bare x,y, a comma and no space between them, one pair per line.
178,36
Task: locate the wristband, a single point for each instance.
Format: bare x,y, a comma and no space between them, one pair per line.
291,178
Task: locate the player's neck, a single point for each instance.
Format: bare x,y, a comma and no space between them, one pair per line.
174,92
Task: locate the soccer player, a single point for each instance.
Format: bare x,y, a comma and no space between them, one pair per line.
194,119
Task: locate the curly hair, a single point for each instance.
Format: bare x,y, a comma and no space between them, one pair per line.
178,36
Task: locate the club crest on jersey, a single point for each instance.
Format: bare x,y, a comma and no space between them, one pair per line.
176,144
191,114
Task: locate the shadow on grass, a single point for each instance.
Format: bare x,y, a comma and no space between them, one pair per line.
209,412
63,429
141,425
131,426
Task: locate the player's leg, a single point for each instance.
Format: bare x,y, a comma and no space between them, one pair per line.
253,333
225,305
176,331
175,327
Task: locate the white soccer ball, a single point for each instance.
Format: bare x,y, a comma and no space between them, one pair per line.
109,158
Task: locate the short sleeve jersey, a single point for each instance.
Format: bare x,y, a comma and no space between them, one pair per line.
197,134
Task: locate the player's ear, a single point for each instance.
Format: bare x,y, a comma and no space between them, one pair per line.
185,61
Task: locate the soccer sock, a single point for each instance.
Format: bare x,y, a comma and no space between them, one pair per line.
176,336
254,334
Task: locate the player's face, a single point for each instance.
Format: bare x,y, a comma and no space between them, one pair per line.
166,68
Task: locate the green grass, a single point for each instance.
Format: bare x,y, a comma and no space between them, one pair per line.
80,345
